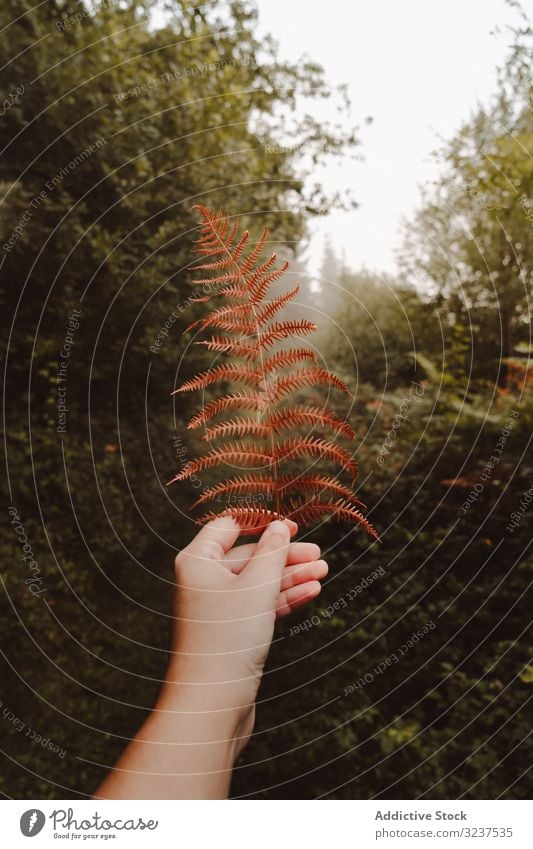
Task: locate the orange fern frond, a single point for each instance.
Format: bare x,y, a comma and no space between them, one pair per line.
242,373
314,511
308,377
237,427
203,299
250,262
233,453
234,292
284,330
312,447
301,415
235,401
232,277
253,520
318,484
226,345
235,272
233,257
220,317
239,486
274,306
260,282
281,359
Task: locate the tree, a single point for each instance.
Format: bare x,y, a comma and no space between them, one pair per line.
112,128
376,324
470,241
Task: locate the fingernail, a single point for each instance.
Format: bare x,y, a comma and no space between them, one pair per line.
278,527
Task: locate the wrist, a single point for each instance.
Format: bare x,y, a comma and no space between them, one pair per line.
220,686
211,711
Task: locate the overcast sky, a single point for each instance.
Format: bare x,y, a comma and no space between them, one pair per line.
418,67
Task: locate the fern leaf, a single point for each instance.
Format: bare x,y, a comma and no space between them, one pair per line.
212,245
281,359
203,299
234,292
255,253
260,282
239,486
223,315
234,271
298,416
314,511
238,372
234,401
227,345
284,330
253,520
233,453
237,427
320,448
309,377
231,277
225,261
318,484
274,306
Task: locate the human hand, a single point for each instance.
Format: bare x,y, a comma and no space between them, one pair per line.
227,601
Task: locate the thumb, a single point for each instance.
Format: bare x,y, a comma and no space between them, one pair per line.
265,568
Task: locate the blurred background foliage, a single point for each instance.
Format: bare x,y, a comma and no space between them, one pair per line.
82,663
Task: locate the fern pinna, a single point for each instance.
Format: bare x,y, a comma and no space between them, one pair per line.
257,419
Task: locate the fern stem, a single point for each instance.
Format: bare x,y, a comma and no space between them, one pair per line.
274,463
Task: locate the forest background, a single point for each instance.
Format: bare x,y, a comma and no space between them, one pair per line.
112,128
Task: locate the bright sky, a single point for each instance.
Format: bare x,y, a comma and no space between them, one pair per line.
418,67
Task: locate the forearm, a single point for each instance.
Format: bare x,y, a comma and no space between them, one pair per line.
224,616
180,752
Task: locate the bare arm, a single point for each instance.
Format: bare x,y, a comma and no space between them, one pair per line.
226,604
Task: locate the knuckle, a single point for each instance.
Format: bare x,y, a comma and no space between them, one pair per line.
210,550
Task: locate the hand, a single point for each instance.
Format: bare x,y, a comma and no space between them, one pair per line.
227,600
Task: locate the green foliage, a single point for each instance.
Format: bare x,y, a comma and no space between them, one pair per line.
441,720
471,238
372,325
118,128
111,238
